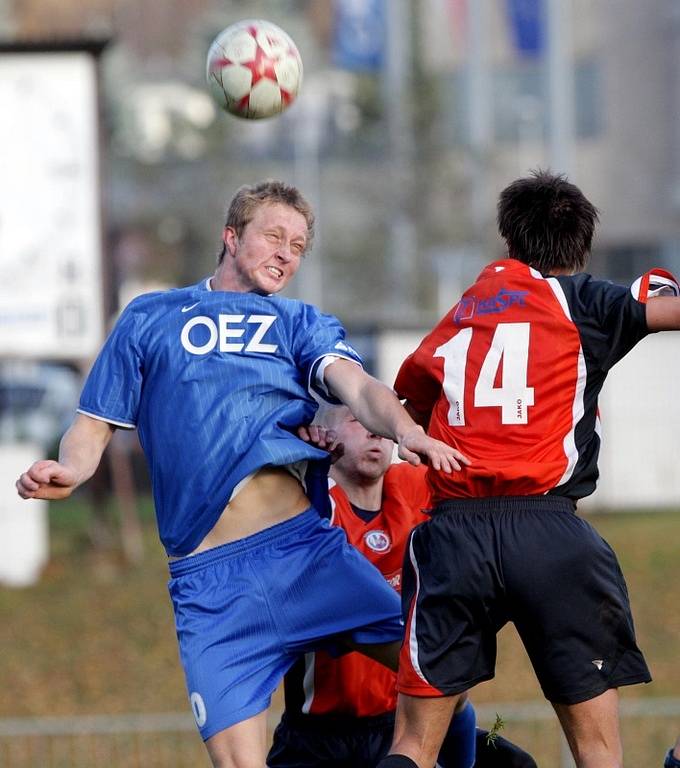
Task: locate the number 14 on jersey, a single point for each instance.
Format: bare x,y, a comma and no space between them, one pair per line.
509,351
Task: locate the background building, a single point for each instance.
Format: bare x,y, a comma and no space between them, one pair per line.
403,148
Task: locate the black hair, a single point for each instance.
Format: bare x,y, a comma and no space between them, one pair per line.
547,222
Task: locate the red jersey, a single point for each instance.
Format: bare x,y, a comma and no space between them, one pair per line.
354,684
511,377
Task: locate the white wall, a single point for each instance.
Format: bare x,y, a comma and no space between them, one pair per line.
640,413
24,535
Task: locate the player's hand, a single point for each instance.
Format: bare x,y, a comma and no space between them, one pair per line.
415,445
324,438
46,480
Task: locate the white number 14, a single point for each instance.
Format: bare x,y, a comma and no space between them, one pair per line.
509,350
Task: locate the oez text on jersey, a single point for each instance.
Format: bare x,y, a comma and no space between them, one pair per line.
228,334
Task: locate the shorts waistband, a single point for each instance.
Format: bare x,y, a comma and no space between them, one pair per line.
336,723
491,504
239,547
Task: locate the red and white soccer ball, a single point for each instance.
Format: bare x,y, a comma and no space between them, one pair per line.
254,69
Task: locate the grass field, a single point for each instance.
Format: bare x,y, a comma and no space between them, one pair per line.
96,636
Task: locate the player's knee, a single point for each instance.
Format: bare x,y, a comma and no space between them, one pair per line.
236,761
225,755
461,703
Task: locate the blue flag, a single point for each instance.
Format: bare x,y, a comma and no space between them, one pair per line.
527,20
359,34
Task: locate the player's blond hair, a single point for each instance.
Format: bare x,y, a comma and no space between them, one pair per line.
249,198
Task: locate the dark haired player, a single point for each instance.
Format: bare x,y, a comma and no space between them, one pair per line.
511,377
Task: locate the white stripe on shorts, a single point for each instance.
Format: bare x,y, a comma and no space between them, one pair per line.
412,638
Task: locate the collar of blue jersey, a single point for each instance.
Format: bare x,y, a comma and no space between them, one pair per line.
208,286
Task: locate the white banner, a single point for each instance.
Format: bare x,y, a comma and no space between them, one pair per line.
24,531
50,228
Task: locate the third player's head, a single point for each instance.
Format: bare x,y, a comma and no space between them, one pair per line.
366,456
269,228
547,222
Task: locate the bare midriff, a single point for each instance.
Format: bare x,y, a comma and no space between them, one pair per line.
271,496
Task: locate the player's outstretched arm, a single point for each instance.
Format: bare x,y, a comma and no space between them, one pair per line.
663,313
80,452
379,410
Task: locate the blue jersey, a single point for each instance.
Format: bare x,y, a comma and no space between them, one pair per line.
216,382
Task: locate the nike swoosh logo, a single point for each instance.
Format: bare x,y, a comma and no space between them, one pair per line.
191,306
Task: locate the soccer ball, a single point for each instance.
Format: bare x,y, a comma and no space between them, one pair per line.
254,69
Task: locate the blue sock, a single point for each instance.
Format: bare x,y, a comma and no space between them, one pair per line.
458,749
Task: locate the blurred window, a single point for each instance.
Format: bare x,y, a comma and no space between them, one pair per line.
37,401
520,111
624,263
364,341
588,93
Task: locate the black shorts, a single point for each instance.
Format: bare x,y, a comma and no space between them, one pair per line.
334,741
312,741
479,563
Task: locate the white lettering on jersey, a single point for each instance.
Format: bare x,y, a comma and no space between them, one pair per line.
231,327
204,348
509,351
265,322
198,708
230,333
394,580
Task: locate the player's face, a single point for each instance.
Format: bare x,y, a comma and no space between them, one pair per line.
366,456
268,252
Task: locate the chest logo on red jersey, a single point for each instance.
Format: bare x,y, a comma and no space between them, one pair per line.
469,306
378,541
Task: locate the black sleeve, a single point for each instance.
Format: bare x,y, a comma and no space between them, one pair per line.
609,319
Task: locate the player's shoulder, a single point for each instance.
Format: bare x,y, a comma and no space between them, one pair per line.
340,503
584,281
307,312
157,299
336,491
403,480
406,495
402,470
291,310
592,293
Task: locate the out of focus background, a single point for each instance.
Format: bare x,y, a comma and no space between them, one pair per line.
115,171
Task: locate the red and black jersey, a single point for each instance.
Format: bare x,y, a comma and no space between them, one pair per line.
511,377
354,684
382,540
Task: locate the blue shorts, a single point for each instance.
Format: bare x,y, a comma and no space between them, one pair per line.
246,610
